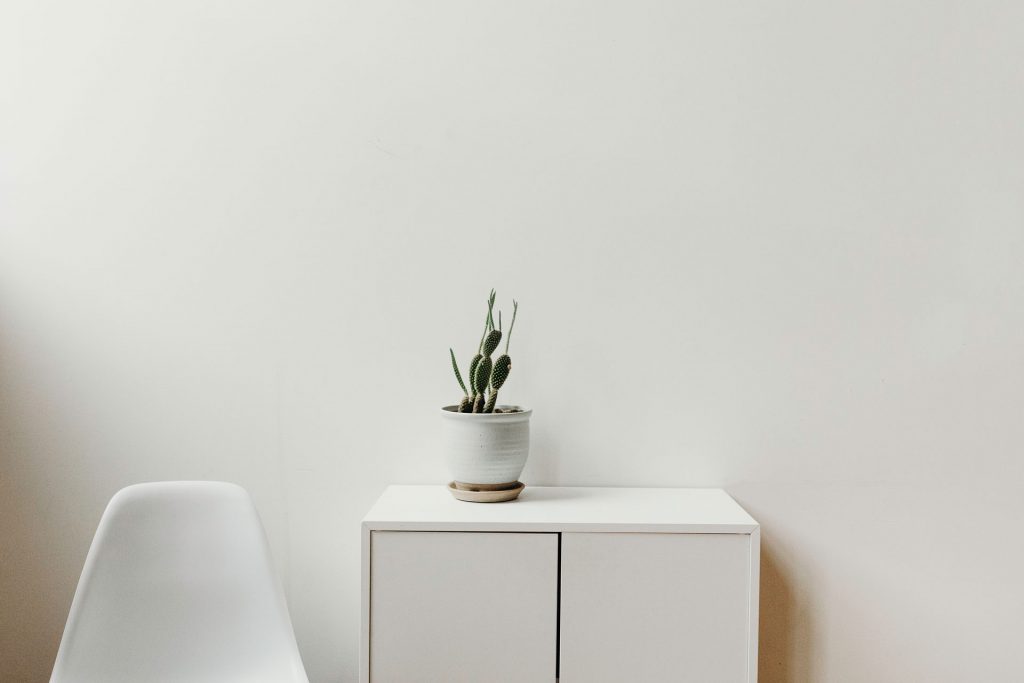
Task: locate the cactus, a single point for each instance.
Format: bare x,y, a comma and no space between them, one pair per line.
467,403
491,342
458,375
502,366
472,373
486,376
483,374
480,382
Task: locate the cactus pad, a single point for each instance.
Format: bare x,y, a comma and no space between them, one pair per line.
502,366
483,375
472,373
491,342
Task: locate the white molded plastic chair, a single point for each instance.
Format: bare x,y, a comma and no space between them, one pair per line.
179,586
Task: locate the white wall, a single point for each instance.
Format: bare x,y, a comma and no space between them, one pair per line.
774,247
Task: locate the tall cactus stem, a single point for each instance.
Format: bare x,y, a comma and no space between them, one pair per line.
490,310
478,404
487,326
492,400
508,339
458,375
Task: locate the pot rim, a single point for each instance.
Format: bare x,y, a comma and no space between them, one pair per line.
452,412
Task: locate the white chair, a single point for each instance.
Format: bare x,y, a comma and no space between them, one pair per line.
179,586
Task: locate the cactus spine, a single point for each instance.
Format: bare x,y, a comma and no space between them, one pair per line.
486,375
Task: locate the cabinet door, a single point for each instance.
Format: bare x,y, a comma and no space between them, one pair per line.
451,607
655,607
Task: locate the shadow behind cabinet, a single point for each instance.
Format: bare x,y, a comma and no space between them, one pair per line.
585,584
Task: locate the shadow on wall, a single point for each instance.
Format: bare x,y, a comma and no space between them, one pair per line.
45,484
784,647
35,581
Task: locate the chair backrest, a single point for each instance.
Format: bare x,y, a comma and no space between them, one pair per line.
179,586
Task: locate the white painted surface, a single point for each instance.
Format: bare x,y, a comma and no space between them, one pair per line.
237,240
641,570
463,607
558,508
179,586
655,607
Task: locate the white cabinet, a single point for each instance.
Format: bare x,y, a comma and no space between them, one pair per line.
583,584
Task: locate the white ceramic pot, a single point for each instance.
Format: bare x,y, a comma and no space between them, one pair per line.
486,448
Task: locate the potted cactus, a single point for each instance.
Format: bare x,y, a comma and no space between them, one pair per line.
486,443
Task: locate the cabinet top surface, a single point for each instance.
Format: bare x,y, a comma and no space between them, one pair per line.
555,508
